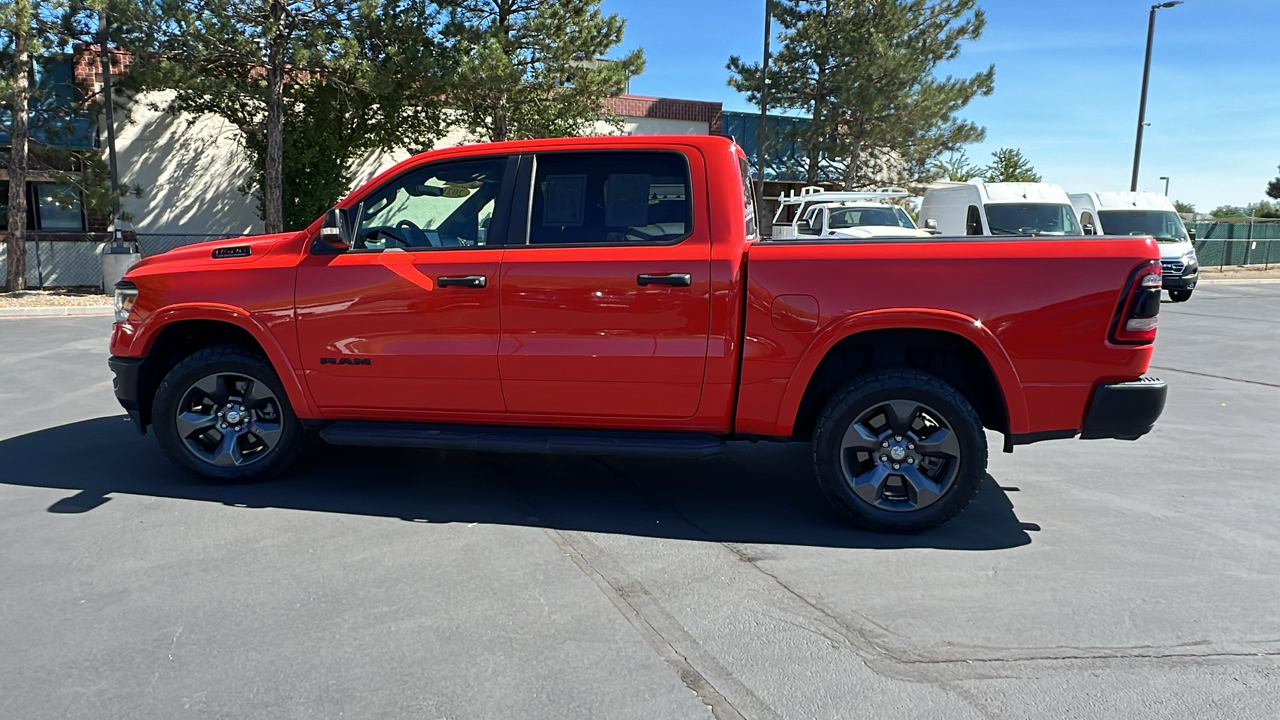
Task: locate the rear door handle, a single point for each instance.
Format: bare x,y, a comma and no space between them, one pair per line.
471,281
673,279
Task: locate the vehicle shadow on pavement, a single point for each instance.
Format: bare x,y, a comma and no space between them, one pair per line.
757,493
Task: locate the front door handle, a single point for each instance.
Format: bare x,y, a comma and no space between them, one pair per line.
673,279
471,281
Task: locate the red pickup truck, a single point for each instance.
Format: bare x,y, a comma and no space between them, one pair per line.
612,296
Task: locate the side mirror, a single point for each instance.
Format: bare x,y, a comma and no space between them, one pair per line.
1191,233
803,227
335,231
1090,230
931,224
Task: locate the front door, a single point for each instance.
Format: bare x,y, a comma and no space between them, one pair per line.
407,318
606,295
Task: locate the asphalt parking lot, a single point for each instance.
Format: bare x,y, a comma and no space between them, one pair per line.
1098,579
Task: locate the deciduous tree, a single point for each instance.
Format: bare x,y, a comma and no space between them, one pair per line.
334,78
1273,188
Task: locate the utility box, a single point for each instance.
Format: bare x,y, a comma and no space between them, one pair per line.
118,256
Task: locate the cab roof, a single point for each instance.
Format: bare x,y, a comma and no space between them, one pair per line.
1127,201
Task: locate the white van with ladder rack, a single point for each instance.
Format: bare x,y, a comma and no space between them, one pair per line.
834,215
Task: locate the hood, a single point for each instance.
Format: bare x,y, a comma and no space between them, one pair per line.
213,253
864,232
1175,250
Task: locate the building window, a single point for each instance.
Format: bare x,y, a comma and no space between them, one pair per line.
51,207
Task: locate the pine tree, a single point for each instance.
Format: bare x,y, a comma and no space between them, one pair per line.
865,74
534,68
344,76
956,167
1008,165
1273,188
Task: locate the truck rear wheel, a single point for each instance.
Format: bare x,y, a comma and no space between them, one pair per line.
222,414
899,451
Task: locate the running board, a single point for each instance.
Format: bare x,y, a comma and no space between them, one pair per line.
533,441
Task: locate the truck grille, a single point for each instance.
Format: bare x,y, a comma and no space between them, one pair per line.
1172,267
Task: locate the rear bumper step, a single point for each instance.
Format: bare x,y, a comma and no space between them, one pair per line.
533,441
1125,410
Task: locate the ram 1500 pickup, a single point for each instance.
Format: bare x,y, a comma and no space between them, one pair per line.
611,296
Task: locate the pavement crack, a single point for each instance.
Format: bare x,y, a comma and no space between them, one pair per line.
1216,377
665,635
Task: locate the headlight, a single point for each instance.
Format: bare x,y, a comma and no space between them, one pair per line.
126,296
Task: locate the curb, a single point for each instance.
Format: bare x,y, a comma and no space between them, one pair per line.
63,311
1231,281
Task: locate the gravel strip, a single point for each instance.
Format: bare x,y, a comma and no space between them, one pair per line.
53,299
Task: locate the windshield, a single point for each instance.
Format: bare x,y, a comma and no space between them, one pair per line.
1032,219
862,216
1163,225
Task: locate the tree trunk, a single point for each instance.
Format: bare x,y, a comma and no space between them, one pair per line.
273,172
852,173
16,232
500,130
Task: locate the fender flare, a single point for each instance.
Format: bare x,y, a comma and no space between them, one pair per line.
946,321
146,333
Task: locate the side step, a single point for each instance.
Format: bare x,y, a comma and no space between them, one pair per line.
533,441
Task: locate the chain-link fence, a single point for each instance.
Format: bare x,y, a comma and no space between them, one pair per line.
70,260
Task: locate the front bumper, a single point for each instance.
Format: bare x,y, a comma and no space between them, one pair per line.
1126,411
1181,282
127,382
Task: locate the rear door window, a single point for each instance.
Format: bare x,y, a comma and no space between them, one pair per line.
610,198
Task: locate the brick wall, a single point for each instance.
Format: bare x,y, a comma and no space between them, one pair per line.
87,68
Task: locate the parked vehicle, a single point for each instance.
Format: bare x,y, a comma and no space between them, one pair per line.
1145,213
610,296
999,209
844,215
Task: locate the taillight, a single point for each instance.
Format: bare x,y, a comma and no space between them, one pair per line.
1135,323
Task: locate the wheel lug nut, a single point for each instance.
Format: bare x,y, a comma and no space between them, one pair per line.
884,444
897,438
884,458
911,461
896,466
910,446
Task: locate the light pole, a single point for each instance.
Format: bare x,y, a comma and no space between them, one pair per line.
1146,77
1165,178
762,135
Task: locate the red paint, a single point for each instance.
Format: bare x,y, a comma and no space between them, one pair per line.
565,337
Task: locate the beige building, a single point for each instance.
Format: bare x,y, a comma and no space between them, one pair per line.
190,170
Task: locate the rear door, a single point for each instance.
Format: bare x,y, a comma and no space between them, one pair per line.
407,319
606,285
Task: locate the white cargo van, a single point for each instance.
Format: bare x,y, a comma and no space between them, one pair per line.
1144,213
978,208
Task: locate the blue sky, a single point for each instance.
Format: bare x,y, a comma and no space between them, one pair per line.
1068,74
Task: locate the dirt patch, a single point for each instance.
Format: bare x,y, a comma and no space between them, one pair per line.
1244,272
53,298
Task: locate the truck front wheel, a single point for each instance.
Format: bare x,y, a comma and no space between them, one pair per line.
1182,295
222,414
899,451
